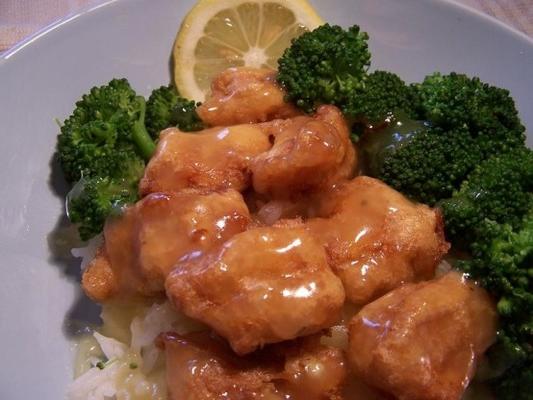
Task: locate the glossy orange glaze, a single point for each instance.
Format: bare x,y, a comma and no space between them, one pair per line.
144,244
260,279
376,239
309,153
200,367
245,95
421,341
214,159
262,286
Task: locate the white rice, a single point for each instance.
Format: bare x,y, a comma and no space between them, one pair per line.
129,369
121,361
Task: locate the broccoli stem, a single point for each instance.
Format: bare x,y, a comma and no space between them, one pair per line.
140,135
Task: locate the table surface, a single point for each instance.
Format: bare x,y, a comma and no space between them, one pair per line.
21,18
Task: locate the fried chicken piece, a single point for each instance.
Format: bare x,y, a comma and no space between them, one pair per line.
245,95
143,245
262,286
376,239
309,153
215,159
202,367
421,341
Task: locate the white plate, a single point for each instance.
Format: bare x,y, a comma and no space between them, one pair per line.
42,78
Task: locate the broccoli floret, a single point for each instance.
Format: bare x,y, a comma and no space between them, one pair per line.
93,199
503,263
383,94
376,145
469,121
324,66
499,189
489,112
492,217
516,383
423,162
165,108
105,130
103,146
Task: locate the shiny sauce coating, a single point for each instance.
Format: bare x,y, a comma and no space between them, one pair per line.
211,234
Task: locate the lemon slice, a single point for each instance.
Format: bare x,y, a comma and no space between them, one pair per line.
218,34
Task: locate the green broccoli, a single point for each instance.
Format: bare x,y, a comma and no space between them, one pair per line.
324,66
104,145
92,200
383,94
455,100
499,189
105,129
165,108
503,263
491,216
516,383
468,122
421,161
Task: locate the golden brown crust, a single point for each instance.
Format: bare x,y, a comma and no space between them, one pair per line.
309,154
376,239
213,159
265,285
142,246
99,281
245,95
421,341
300,369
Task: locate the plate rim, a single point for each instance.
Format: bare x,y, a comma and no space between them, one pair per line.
34,43
487,17
52,26
57,24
